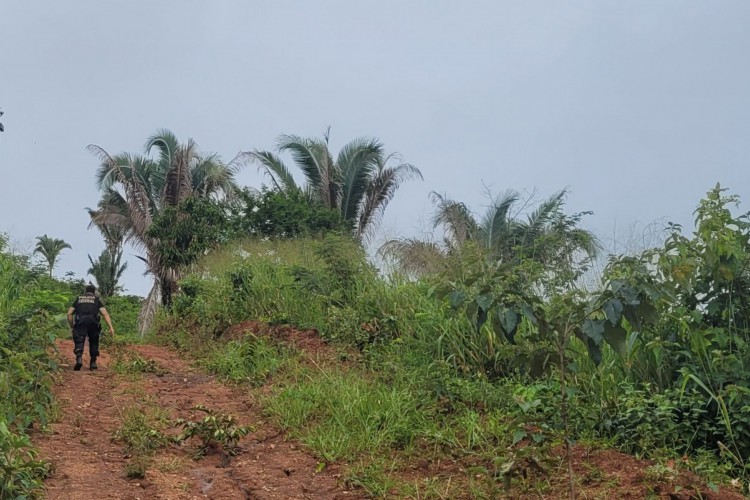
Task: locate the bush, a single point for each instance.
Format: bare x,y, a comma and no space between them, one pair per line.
215,429
21,474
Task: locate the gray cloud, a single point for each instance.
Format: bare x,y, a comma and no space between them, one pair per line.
638,107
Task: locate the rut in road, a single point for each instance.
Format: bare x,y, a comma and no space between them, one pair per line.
88,463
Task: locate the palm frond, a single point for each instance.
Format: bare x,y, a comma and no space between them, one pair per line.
178,180
107,271
545,212
380,190
495,225
167,143
314,159
274,167
454,218
414,257
357,161
212,179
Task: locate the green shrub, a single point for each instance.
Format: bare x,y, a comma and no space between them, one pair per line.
215,429
21,473
124,311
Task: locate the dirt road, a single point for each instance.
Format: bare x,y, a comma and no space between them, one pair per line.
89,464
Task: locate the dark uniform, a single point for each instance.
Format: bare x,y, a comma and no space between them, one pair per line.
86,308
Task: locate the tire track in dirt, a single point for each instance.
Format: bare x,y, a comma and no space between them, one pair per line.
87,464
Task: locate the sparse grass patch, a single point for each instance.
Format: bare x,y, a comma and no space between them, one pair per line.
128,362
170,464
375,477
142,432
137,466
143,426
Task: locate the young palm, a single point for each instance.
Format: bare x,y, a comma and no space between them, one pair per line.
50,249
359,183
547,235
107,271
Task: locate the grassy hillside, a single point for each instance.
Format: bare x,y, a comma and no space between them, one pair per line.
498,368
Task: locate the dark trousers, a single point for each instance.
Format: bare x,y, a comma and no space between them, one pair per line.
86,328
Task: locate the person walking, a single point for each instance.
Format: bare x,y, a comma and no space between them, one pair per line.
83,318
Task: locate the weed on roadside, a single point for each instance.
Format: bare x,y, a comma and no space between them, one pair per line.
214,430
22,472
375,477
130,363
142,432
142,427
138,465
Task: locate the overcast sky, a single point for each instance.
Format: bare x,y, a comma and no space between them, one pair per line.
638,108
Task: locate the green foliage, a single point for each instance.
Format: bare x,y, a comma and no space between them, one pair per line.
492,355
215,429
345,415
107,270
124,311
252,359
644,421
21,473
50,249
142,433
142,428
27,386
274,213
185,232
30,308
358,184
547,237
136,189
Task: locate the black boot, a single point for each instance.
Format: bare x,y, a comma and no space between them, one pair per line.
92,365
79,362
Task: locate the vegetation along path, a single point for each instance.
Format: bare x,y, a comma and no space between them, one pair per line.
115,438
115,425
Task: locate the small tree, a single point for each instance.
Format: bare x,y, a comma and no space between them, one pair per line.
107,271
50,249
183,234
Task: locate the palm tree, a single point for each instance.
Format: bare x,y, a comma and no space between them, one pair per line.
107,271
547,235
50,249
359,183
136,188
